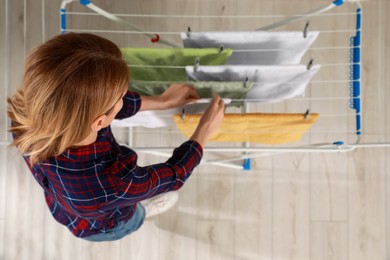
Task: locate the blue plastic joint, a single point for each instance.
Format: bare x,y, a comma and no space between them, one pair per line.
247,164
355,72
85,2
63,20
338,2
338,143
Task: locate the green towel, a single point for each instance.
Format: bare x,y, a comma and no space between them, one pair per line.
205,89
170,57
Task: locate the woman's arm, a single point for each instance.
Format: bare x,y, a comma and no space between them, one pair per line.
144,182
176,95
210,121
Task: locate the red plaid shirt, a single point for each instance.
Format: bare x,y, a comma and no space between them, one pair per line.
91,188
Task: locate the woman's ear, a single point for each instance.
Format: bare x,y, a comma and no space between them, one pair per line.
98,123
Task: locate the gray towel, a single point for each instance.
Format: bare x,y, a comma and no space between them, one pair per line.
266,48
270,83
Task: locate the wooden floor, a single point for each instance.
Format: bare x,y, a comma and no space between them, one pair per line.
289,206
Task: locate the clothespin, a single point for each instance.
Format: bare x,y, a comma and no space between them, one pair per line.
197,63
307,114
221,49
246,82
310,64
305,30
189,32
155,39
183,116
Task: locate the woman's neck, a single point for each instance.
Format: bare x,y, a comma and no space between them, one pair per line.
91,138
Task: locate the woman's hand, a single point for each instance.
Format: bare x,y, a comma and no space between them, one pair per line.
210,122
176,95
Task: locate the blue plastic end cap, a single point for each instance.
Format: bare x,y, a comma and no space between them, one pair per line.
85,2
338,143
247,164
338,2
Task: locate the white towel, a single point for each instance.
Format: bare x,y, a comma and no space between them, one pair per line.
270,83
150,119
266,48
163,118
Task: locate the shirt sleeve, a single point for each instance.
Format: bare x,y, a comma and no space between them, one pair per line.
148,181
131,105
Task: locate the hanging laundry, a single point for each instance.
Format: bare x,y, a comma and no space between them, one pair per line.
258,128
163,118
170,62
255,47
205,89
270,83
149,119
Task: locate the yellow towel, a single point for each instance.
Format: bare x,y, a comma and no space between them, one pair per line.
253,127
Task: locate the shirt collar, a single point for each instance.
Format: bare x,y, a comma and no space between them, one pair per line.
92,151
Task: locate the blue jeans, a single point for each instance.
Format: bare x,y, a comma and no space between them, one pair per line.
122,229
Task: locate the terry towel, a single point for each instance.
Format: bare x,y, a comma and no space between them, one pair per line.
168,59
261,47
270,83
258,128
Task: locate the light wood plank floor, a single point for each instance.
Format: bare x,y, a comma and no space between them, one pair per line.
289,206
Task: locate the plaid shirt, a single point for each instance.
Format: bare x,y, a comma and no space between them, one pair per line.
91,188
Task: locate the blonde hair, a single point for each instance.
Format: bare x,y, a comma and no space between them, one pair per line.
69,81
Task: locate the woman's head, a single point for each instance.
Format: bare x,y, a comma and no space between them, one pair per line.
69,82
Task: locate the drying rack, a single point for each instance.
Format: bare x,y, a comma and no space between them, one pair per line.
247,151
